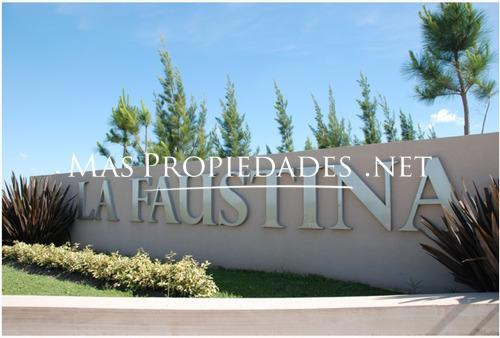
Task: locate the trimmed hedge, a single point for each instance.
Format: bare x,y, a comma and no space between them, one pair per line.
184,278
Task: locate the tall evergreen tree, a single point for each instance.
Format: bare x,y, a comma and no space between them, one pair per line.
203,141
408,132
235,135
420,132
176,123
308,145
371,128
268,150
338,131
321,131
284,121
124,128
432,133
335,133
390,129
456,54
164,102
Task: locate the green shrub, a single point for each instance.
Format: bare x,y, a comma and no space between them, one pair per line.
184,278
36,212
468,245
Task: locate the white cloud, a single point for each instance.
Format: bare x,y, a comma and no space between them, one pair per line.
367,19
445,116
23,156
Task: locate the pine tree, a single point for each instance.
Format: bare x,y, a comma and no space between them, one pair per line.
124,128
485,92
234,131
176,123
144,120
390,129
308,145
144,117
408,132
284,120
371,128
456,55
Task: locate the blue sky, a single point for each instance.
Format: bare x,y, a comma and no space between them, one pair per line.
64,66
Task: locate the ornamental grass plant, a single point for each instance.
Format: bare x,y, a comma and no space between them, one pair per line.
36,211
468,244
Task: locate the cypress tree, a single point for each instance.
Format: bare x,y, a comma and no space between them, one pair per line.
203,141
432,133
284,120
321,131
335,133
371,129
164,102
338,134
420,132
408,132
176,123
235,135
308,145
390,129
268,150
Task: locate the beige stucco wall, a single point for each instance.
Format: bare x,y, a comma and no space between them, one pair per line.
368,253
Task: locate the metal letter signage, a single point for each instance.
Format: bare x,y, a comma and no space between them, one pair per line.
441,185
381,209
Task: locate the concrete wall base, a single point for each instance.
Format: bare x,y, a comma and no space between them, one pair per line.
435,314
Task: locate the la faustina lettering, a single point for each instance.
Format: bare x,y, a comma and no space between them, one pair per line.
154,194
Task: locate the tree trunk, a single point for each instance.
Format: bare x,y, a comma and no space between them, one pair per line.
485,114
466,113
124,154
463,94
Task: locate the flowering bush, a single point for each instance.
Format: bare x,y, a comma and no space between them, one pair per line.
184,278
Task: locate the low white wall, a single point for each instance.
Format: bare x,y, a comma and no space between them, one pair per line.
457,314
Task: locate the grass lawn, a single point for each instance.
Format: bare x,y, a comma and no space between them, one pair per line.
26,281
29,280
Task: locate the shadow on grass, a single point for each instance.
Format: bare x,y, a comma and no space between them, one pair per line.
76,278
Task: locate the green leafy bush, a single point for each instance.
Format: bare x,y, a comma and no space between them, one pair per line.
184,278
36,212
468,245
